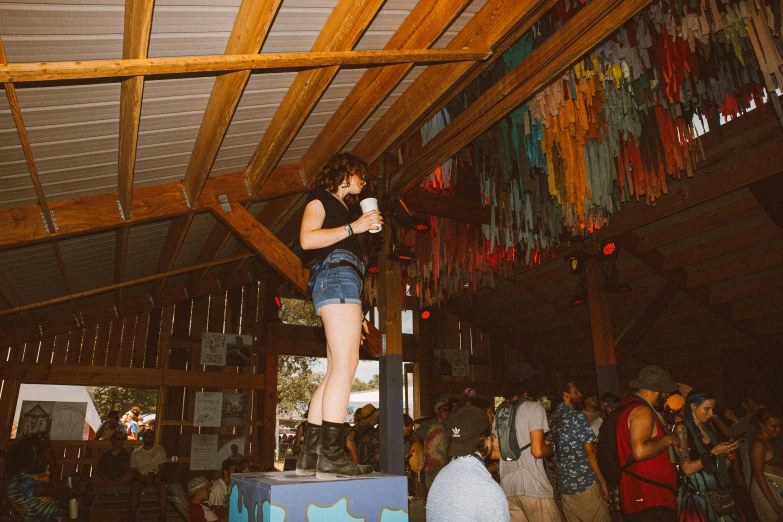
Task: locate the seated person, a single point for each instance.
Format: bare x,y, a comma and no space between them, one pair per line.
34,492
219,492
114,465
111,425
200,510
148,467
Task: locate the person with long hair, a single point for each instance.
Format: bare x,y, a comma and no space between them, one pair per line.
766,464
331,229
35,489
703,461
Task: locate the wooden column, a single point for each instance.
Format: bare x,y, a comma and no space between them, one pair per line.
390,311
601,326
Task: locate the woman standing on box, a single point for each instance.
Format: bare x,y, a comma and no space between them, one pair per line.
330,228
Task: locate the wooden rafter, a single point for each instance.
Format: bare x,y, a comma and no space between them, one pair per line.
138,23
7,292
178,229
24,140
120,254
111,288
423,26
548,61
702,294
192,65
249,33
486,29
261,240
342,31
214,244
641,324
95,213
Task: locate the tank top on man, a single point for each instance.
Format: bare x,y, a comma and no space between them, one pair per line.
336,216
635,494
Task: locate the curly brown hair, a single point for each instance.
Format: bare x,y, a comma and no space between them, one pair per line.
338,170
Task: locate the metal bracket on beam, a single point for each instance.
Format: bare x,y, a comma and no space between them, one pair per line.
247,186
46,224
187,199
122,212
224,204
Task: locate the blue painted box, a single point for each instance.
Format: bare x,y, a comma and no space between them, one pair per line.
288,497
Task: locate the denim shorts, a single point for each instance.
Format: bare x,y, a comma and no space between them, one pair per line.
341,285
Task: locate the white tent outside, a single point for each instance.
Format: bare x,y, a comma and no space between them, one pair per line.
48,392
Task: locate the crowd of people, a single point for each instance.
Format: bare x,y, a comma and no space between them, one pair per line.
663,453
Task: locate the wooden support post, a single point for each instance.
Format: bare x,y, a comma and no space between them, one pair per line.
268,428
601,325
390,310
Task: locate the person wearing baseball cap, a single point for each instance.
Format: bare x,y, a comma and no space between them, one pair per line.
432,435
648,486
472,441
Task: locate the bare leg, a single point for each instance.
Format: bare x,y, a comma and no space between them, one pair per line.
136,488
343,328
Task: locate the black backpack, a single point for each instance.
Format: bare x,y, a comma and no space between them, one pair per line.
505,425
606,449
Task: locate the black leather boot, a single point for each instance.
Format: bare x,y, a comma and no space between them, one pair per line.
333,461
311,435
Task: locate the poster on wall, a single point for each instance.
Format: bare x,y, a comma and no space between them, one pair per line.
208,408
452,363
58,420
234,411
203,452
207,452
219,349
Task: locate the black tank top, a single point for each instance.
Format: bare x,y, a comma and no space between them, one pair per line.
336,216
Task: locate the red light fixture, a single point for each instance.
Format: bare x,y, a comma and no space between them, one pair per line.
609,250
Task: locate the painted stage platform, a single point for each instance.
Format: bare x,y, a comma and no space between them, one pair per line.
288,497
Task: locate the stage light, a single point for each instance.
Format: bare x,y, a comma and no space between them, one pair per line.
403,216
401,254
609,250
576,262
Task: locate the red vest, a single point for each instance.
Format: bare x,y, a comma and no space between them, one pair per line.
635,494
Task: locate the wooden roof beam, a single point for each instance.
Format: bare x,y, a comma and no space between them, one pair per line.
91,214
111,288
488,28
428,20
342,31
593,23
248,35
702,294
136,39
120,254
195,65
178,229
7,292
261,240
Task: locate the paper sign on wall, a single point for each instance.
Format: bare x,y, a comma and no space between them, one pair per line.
208,409
203,452
219,349
453,363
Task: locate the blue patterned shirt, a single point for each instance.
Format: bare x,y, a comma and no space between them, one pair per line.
570,431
